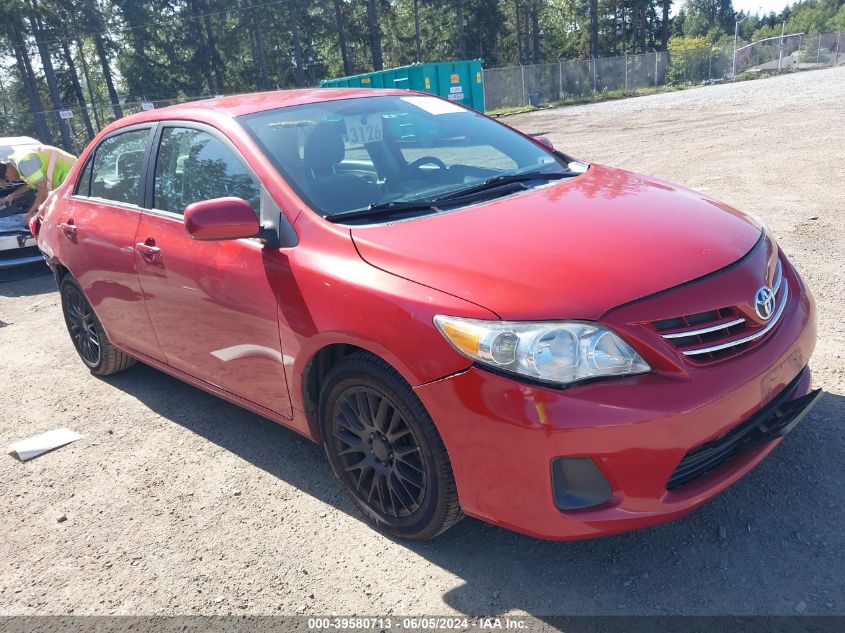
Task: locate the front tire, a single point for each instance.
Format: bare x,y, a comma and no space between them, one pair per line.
386,451
87,333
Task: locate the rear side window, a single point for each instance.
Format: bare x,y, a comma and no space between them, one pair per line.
83,185
193,165
116,174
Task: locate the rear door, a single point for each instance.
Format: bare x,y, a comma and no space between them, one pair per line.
212,304
96,229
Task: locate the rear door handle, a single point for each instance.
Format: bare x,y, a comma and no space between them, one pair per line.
69,228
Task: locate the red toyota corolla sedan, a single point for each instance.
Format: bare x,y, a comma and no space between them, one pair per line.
468,320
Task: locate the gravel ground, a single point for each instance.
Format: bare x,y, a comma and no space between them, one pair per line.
176,502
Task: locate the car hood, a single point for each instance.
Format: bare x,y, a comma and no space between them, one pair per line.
571,249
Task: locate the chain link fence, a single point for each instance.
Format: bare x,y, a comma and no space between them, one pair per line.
519,86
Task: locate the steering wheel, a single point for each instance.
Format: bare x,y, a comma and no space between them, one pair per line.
427,160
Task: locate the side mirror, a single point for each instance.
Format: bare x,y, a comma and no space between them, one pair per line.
545,140
221,219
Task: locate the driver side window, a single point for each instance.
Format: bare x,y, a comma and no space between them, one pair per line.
193,165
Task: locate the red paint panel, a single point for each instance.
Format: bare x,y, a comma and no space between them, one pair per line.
573,249
213,307
95,241
328,295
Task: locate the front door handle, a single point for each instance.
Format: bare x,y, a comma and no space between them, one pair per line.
149,251
69,228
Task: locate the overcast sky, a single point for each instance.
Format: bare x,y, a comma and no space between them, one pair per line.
748,6
760,6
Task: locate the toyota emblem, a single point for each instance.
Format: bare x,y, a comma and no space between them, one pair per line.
764,303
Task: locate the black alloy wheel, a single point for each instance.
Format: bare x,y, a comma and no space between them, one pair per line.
87,333
82,326
380,455
385,450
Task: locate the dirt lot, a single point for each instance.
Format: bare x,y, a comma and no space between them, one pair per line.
178,503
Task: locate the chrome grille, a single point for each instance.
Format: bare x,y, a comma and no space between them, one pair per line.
716,334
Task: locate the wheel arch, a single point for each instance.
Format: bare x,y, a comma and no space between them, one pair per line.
327,353
314,373
60,271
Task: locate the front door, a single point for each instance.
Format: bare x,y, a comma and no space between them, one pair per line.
212,304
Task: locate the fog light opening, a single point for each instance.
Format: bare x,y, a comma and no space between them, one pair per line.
577,483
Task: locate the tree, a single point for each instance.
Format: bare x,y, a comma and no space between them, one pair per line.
259,52
88,83
299,68
375,36
417,39
93,52
202,55
49,74
460,18
77,88
664,26
14,30
594,29
535,31
341,36
94,22
709,18
216,62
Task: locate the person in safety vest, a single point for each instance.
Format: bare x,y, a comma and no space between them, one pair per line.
42,168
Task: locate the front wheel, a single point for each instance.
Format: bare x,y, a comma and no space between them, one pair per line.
87,333
386,451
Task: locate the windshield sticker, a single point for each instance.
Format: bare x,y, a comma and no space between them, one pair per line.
432,105
364,128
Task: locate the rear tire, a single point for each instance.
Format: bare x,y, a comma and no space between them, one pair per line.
87,333
386,451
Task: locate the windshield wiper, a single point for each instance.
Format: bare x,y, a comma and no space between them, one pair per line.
501,181
381,209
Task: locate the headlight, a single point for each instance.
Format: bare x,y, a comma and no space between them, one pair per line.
559,352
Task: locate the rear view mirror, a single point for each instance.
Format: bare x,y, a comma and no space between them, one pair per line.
545,140
221,219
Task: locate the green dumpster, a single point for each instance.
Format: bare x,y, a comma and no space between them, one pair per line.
459,81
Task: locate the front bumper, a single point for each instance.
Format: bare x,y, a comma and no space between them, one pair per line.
502,435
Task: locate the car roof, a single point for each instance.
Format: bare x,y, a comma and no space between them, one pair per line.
238,105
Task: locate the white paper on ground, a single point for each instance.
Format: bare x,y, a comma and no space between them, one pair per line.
40,444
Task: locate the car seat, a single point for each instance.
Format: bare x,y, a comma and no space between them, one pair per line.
128,176
330,191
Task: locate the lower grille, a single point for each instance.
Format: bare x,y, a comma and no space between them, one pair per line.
775,419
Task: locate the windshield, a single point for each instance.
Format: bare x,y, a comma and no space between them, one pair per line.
354,154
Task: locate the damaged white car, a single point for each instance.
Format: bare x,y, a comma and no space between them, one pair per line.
17,245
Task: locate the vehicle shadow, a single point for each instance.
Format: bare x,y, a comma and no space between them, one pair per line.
771,544
26,280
